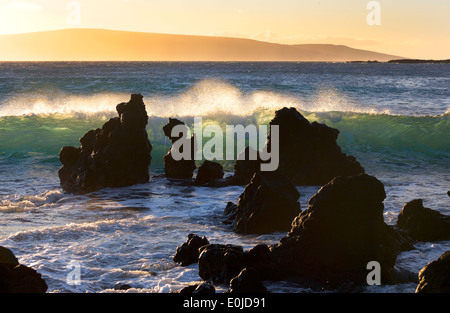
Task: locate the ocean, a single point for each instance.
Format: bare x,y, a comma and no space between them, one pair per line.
394,118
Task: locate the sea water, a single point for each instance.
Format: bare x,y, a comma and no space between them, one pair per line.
394,118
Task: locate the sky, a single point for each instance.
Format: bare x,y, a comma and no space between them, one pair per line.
408,28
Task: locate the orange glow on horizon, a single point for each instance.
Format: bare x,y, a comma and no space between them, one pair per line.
410,28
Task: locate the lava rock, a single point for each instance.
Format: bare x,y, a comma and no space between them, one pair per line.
308,152
435,276
209,172
245,168
423,224
7,257
184,168
188,252
18,278
122,287
268,204
248,281
203,288
342,230
116,155
221,263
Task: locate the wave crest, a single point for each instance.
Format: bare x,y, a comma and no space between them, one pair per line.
206,97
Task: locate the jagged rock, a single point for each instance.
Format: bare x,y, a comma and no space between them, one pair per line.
268,204
342,230
116,155
230,212
245,168
188,252
423,224
209,172
308,152
221,263
7,257
18,278
184,168
248,281
435,276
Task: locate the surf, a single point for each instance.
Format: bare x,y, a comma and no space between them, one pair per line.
41,124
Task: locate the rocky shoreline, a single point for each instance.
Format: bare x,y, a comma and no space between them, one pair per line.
329,244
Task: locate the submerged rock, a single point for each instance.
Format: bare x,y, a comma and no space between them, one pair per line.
342,230
435,277
308,152
17,278
423,224
183,168
203,288
268,204
116,155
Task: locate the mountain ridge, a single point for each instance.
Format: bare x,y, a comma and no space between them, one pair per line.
84,44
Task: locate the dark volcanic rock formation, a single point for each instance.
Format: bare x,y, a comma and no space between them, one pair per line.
245,168
435,277
17,278
116,155
209,172
248,281
342,230
268,204
184,168
423,224
221,263
188,252
203,288
309,153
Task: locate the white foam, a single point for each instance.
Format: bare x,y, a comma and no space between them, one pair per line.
207,97
17,203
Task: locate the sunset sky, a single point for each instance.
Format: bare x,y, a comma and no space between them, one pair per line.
410,28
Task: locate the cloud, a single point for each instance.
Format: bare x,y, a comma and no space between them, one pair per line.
24,6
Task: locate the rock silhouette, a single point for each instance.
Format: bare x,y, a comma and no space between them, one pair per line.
208,173
435,276
423,224
308,152
183,168
268,204
342,230
18,278
116,155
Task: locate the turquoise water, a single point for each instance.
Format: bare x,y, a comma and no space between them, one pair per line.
394,118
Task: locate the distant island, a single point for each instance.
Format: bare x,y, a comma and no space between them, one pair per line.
112,45
418,61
